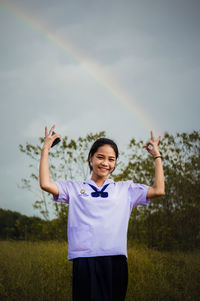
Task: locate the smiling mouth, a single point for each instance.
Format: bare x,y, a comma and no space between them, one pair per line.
102,168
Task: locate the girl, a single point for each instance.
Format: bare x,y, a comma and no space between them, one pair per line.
99,211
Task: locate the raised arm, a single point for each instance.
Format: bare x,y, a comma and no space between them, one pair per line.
158,188
44,174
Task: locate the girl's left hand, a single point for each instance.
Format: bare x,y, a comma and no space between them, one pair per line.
152,146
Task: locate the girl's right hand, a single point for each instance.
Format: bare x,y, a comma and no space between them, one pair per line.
49,138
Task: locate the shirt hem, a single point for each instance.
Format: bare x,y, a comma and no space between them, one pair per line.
95,254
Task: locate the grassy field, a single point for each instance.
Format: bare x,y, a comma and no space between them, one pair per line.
40,271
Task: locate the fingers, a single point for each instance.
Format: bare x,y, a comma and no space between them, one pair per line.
152,136
157,141
149,146
51,130
148,143
54,137
46,131
152,145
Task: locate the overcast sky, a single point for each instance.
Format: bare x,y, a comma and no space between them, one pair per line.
123,66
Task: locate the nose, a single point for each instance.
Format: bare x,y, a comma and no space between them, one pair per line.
105,162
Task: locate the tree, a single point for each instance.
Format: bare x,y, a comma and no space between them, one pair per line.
14,225
172,221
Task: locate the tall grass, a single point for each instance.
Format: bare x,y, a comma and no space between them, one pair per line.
40,271
34,271
163,276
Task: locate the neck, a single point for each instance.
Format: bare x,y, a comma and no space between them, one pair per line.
98,180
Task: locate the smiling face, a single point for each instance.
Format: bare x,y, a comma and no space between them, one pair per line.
103,162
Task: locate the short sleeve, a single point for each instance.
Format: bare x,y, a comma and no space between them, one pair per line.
63,195
138,194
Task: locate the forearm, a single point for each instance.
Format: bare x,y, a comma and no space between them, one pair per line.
158,187
44,169
159,183
44,174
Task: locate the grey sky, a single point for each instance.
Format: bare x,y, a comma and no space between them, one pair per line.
151,48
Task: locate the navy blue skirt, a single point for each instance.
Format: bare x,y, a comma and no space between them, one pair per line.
102,278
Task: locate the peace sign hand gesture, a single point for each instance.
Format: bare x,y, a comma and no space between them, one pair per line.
50,137
152,146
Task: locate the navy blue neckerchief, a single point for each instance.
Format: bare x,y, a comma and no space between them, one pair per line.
98,193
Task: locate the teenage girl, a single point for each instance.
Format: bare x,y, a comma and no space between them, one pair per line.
99,211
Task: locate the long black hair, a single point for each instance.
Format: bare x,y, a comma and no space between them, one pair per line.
98,143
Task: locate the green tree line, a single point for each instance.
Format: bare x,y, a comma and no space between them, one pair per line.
171,222
16,226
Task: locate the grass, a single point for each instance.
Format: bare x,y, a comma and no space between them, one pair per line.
163,276
34,271
40,271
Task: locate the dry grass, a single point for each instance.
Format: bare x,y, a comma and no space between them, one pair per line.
163,276
34,271
40,271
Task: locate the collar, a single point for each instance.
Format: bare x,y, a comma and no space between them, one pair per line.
108,181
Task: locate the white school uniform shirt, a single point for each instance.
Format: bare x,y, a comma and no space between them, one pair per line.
98,226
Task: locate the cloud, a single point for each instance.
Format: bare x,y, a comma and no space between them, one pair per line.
150,49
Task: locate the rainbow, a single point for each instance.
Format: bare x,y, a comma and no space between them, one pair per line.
91,66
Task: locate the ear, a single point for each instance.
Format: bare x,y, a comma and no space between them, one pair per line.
90,163
90,159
